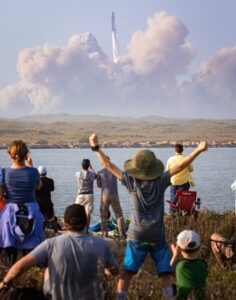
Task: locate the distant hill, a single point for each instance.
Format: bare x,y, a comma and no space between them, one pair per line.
64,117
66,128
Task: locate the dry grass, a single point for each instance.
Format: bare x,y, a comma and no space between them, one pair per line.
145,285
117,130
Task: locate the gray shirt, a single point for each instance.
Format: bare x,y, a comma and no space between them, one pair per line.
108,182
147,208
85,181
72,259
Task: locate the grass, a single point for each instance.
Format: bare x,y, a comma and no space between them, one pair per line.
145,285
117,130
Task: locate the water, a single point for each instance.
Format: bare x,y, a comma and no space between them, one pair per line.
214,172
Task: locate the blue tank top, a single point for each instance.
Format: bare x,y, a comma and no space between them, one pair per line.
20,184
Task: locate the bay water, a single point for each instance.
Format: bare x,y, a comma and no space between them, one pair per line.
214,172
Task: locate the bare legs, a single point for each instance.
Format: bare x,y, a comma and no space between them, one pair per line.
126,276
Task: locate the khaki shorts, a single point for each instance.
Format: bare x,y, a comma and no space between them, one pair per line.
87,201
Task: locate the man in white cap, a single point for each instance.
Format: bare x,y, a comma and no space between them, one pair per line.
191,272
44,199
146,182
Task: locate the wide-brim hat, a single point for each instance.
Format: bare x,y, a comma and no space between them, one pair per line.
144,165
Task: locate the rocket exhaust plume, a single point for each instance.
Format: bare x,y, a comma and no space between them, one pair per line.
114,39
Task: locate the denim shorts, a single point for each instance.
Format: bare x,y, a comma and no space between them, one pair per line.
136,253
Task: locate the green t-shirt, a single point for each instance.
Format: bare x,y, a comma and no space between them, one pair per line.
191,275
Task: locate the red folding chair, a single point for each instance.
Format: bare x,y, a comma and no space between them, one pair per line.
186,202
2,204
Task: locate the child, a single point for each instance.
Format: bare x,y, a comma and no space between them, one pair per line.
191,272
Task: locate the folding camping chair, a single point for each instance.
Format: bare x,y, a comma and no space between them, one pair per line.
2,204
187,202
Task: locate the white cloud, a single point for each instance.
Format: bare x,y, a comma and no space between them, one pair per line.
14,100
161,48
212,91
80,78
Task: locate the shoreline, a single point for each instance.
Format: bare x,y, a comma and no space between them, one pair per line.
229,144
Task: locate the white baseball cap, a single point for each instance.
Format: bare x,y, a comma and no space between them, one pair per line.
188,240
42,170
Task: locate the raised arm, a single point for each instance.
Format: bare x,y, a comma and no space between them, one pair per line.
91,168
39,185
93,140
29,161
175,255
203,146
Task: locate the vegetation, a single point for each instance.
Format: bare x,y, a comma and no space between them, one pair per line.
145,285
59,129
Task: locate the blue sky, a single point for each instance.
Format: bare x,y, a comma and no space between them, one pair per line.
173,66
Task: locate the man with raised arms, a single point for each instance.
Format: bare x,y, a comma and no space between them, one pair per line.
146,181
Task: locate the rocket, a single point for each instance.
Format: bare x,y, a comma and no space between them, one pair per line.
114,39
113,24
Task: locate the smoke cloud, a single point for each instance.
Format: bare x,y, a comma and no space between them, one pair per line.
80,78
212,91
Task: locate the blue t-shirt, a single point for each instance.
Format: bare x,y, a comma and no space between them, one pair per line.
20,184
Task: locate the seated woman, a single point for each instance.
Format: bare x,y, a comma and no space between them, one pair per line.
21,222
223,249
